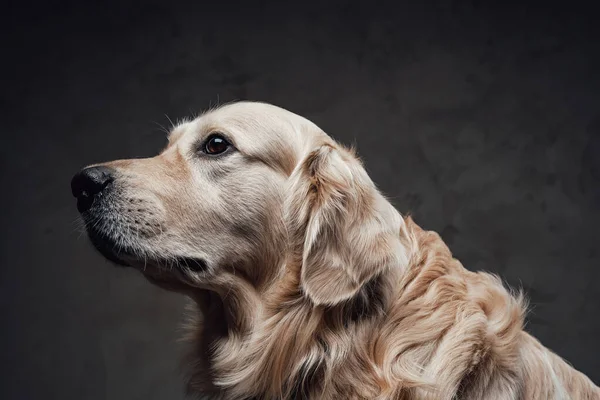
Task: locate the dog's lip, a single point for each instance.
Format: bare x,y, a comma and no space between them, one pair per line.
127,258
181,264
191,263
105,246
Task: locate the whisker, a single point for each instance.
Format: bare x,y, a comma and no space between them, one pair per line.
162,128
172,124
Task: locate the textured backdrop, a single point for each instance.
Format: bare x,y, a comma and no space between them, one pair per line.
482,122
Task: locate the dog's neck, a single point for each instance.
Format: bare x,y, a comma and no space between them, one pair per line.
260,320
265,337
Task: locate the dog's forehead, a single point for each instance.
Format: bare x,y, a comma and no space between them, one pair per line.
256,122
257,129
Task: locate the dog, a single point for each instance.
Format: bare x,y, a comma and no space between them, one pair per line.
306,282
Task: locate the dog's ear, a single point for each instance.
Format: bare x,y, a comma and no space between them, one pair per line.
343,231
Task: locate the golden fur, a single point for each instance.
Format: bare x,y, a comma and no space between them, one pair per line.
315,286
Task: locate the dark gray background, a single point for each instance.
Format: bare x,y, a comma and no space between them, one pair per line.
482,121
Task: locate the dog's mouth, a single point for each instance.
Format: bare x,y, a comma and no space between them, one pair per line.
108,248
128,257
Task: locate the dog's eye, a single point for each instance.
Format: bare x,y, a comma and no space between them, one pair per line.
215,144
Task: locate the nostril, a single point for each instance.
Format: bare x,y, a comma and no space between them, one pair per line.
89,182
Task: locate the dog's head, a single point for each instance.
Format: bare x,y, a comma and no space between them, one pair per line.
243,189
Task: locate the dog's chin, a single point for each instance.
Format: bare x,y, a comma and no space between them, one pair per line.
107,248
129,257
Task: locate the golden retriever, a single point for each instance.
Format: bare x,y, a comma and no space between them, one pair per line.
307,282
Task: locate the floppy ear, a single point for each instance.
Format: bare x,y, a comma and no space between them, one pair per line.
344,230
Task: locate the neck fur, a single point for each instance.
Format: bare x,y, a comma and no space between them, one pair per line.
277,338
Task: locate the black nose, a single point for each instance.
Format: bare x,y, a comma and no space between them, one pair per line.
89,183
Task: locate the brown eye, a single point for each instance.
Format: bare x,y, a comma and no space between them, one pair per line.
215,144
